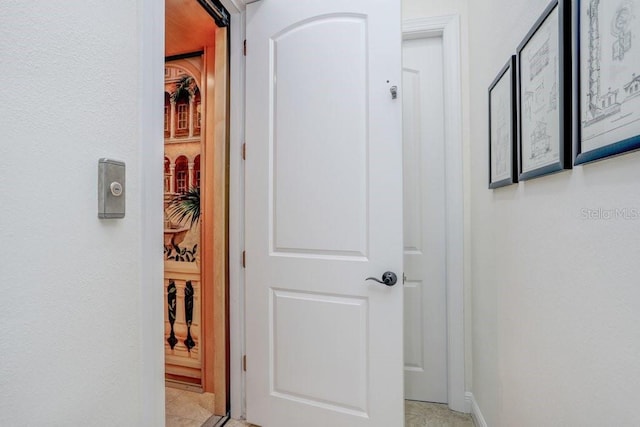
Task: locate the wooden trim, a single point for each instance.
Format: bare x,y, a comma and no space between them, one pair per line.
207,193
173,380
183,56
221,224
214,193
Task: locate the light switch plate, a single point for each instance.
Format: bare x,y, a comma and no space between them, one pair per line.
111,188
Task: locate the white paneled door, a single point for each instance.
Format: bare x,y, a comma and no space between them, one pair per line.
323,213
425,328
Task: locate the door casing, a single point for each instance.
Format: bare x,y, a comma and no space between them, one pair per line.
151,268
448,27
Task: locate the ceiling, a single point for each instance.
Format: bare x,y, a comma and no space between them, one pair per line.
188,27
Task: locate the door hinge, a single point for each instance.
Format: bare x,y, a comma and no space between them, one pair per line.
404,277
244,47
244,363
244,151
244,259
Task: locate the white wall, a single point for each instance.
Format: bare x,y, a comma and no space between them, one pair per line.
555,297
71,313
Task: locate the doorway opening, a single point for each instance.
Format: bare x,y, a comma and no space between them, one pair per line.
196,206
425,296
434,232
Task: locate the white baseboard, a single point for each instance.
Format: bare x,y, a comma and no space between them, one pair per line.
476,414
468,396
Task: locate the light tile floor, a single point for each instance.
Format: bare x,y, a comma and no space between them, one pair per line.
188,409
417,414
423,414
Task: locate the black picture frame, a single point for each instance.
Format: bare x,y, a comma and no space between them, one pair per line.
541,150
503,154
606,124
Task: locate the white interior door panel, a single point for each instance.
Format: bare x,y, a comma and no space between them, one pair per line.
323,213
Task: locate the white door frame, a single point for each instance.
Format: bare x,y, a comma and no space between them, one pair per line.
236,215
151,150
448,27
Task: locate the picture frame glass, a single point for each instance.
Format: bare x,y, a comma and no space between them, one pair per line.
609,72
501,129
539,96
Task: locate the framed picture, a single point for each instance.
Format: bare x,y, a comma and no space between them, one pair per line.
608,83
503,159
544,94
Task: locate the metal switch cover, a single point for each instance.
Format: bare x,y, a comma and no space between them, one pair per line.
111,188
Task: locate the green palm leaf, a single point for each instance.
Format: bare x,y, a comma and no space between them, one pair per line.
185,207
185,87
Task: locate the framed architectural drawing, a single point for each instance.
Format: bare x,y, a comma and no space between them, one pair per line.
544,94
503,159
608,83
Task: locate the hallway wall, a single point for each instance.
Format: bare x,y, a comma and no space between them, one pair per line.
555,296
70,305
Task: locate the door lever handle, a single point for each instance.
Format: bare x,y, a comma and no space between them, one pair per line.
389,278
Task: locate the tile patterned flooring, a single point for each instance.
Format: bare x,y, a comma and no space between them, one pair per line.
423,414
188,409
